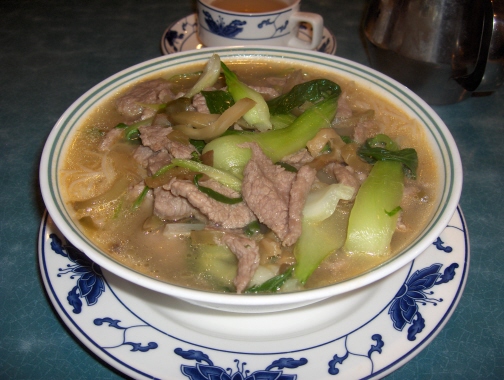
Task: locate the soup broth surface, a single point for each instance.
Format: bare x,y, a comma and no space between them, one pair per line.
124,233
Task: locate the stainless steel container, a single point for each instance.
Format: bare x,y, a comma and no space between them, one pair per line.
444,50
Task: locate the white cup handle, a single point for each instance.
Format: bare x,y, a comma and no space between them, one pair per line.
317,23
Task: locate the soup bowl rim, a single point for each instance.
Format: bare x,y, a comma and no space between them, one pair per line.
64,127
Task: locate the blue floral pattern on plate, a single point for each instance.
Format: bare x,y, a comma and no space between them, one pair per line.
210,371
404,308
160,348
90,284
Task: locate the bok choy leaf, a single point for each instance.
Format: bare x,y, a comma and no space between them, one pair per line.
311,91
258,116
208,78
372,222
276,144
376,209
273,284
218,101
321,229
382,148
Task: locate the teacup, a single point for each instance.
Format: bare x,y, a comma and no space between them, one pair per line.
256,22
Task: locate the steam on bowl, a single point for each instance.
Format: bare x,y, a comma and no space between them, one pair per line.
444,151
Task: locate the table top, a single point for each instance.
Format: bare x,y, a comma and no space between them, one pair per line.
53,51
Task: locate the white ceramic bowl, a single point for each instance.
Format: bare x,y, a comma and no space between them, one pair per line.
441,140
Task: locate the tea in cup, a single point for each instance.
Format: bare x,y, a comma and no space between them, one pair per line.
256,22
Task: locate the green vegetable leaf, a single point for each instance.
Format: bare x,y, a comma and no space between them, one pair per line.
322,229
287,167
281,121
311,91
347,139
276,144
195,157
374,215
214,194
223,177
208,77
383,141
140,198
394,211
382,148
252,228
273,284
198,144
131,132
218,101
220,176
259,115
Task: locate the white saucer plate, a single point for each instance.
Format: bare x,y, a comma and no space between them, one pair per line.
363,335
182,35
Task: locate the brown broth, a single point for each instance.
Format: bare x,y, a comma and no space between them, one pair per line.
255,6
165,257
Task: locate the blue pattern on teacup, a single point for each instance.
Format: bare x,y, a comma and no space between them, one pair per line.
260,27
220,28
276,29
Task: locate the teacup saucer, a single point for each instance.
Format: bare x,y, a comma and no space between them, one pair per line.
182,36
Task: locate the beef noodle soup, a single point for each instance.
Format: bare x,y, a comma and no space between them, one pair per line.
241,179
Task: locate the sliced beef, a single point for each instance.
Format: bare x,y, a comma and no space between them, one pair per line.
161,119
150,160
142,155
267,92
225,215
156,138
247,252
275,195
179,150
132,104
294,78
288,82
111,138
170,207
299,191
344,111
346,175
365,128
199,103
158,160
298,159
266,189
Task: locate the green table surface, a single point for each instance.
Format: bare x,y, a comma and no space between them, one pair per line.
52,51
